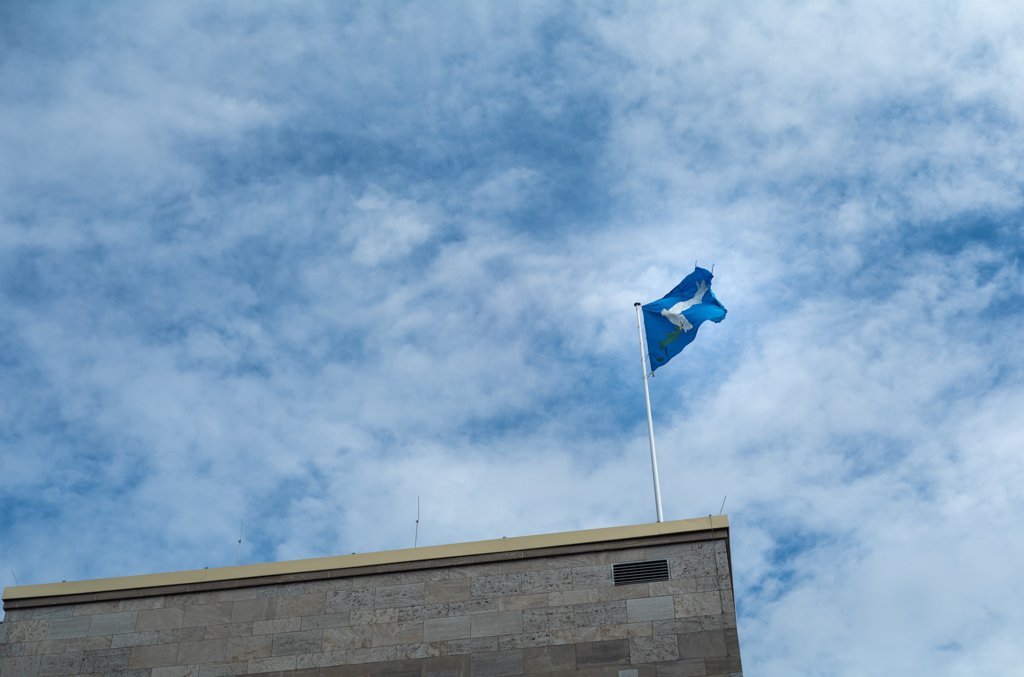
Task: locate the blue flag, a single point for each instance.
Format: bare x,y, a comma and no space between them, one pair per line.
671,322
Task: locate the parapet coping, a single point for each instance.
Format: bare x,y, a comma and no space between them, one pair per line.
133,586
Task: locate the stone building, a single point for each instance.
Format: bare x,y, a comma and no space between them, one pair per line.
637,601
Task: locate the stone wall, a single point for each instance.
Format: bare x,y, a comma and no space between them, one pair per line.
550,615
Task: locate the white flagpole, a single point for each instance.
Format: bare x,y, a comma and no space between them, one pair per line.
650,421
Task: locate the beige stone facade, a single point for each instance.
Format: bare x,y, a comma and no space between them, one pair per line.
503,609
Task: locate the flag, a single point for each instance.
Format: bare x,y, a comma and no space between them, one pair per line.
671,322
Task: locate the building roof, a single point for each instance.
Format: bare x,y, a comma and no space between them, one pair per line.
324,567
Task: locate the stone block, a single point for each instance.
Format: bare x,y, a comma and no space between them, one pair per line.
497,663
207,614
322,660
452,627
347,600
698,604
206,651
229,630
676,586
63,628
106,661
134,639
550,618
299,605
732,642
599,576
173,635
113,623
453,590
496,585
386,634
420,650
678,626
549,658
520,602
406,668
247,648
725,665
527,639
233,594
390,596
719,622
693,667
373,616
461,646
348,637
571,597
291,643
420,612
624,631
277,626
59,664
375,654
152,656
500,623
617,592
247,610
180,671
447,666
593,654
159,619
221,669
649,609
17,666
258,665
693,566
657,649
326,621
473,606
704,644
599,613
545,581
88,644
141,603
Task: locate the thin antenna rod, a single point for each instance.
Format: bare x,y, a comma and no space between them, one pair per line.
238,550
416,538
723,504
16,581
650,420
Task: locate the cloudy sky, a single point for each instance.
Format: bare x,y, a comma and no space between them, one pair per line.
296,264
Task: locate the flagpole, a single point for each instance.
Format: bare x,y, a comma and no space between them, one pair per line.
650,420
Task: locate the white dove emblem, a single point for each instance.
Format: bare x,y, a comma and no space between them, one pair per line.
675,313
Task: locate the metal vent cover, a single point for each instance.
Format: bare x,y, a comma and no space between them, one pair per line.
640,572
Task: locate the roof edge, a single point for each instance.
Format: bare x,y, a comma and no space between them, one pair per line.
426,553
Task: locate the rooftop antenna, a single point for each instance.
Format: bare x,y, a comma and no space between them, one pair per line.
723,504
238,550
15,576
416,538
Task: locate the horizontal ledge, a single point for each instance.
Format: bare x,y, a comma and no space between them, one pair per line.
164,583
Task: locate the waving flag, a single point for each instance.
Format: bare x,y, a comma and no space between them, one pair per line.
671,322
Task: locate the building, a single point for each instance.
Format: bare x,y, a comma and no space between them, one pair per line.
635,601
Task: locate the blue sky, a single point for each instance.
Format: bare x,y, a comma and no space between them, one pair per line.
299,263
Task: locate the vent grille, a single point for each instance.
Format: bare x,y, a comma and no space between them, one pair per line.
640,572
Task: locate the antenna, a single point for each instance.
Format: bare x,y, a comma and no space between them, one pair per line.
416,538
238,550
723,505
15,576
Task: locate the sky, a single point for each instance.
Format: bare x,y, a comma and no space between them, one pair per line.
291,266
